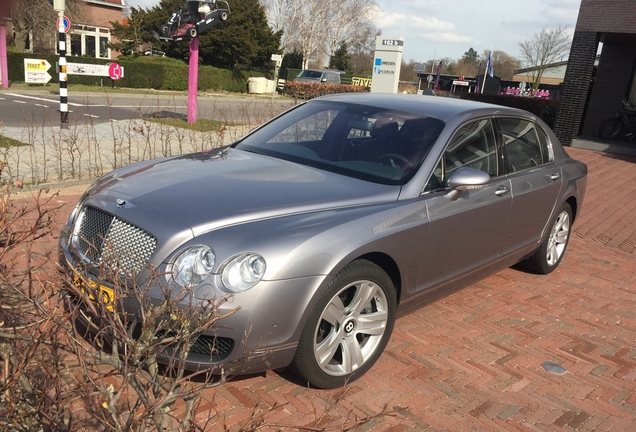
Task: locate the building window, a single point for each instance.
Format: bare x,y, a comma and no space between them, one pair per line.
90,41
103,47
90,45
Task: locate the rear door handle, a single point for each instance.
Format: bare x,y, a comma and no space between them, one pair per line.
502,190
555,176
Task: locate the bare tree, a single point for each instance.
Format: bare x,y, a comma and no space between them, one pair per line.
503,63
36,18
545,47
319,26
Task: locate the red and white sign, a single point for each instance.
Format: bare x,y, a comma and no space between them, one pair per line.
65,22
115,71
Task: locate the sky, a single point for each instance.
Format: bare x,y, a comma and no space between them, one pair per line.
435,29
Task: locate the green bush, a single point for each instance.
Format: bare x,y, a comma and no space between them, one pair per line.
159,73
544,108
308,90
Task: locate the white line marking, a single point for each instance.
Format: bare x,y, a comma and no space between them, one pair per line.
17,101
91,115
41,105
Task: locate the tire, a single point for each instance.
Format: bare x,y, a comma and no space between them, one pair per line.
552,249
192,32
610,128
223,16
334,348
164,30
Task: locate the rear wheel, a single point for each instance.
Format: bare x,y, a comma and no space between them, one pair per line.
223,16
348,328
610,128
192,32
551,251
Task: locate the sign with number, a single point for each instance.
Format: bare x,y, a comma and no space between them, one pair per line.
392,42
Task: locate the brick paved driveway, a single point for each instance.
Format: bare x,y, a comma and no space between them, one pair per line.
473,360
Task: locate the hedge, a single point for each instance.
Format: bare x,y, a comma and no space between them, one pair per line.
544,108
150,72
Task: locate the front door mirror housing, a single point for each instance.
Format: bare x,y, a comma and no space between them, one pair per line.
466,178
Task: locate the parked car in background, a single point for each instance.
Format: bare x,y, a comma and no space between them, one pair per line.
330,220
325,76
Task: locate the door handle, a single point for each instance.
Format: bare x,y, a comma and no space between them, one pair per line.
501,191
555,176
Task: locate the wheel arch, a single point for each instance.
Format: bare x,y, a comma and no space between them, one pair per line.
389,266
573,203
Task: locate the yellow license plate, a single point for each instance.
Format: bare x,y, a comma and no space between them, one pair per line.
108,295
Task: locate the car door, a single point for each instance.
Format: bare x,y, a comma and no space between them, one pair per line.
535,181
466,233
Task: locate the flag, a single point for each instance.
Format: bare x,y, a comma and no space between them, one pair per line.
489,69
439,71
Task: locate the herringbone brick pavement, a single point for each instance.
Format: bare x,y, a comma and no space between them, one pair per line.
473,360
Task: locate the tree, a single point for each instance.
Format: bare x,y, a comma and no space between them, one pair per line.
340,58
503,64
471,58
36,18
545,47
129,36
319,26
245,40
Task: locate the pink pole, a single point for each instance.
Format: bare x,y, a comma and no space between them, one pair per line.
193,80
4,65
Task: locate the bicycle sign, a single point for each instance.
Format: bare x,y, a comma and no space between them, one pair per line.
613,126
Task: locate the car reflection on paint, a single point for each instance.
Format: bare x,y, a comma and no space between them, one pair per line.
329,220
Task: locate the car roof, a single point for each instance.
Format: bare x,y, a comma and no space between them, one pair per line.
442,108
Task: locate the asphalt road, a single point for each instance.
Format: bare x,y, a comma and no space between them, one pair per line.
22,108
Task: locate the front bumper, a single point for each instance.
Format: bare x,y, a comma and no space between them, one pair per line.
262,329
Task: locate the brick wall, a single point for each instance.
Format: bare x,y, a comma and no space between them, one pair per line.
607,16
575,86
100,15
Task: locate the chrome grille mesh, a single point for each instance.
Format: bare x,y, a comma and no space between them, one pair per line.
106,240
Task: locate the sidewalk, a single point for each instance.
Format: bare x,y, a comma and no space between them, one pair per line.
473,360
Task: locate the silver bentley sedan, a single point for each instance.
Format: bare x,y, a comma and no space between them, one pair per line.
327,222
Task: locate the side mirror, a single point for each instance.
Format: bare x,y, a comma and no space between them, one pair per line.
466,178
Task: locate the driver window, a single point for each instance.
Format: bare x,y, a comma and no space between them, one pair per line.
474,146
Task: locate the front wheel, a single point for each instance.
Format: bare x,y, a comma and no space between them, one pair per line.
348,327
192,32
223,16
610,128
551,251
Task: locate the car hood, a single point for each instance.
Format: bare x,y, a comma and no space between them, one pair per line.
226,186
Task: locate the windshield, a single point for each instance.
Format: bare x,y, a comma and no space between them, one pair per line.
360,141
310,74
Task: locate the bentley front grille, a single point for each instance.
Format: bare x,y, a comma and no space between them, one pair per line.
105,240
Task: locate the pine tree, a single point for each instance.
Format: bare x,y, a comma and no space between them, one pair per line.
341,59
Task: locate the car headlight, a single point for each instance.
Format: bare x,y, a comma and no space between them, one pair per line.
243,272
193,265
